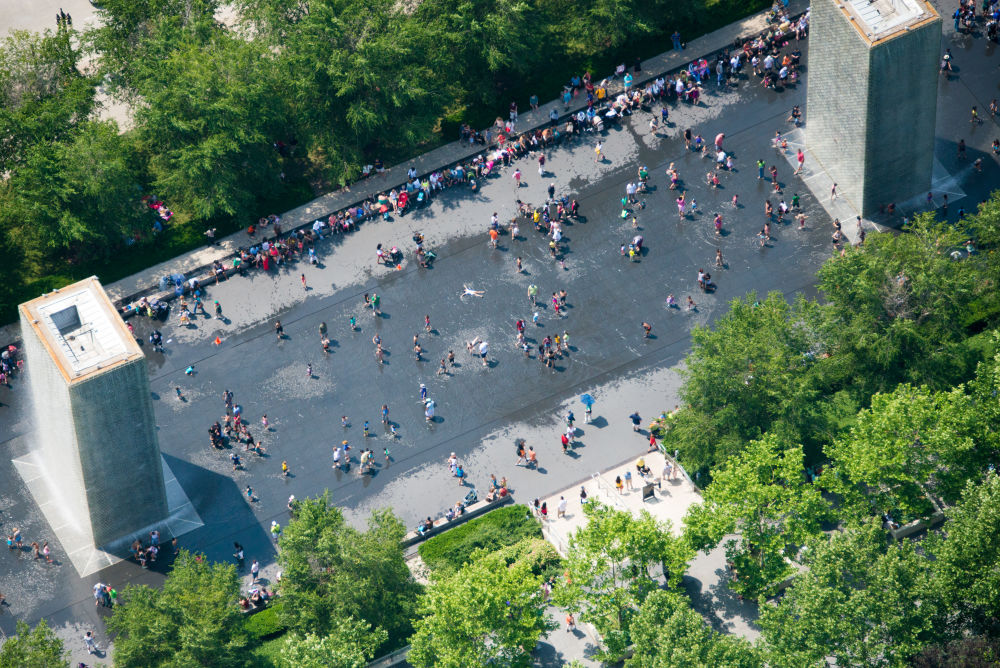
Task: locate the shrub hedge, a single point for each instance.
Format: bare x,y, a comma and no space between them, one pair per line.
265,624
496,529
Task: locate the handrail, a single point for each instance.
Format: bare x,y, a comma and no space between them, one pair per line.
609,492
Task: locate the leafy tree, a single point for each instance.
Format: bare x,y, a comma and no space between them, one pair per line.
911,444
985,388
133,38
595,26
610,569
667,633
194,620
967,558
332,571
358,72
862,600
740,376
486,45
898,306
967,652
351,644
79,197
207,125
763,495
43,95
35,647
490,613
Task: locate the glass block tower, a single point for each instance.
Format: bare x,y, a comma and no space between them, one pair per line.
871,103
94,452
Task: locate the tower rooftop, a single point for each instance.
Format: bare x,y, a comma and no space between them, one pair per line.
81,329
879,20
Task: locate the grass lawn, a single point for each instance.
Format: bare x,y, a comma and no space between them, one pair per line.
496,529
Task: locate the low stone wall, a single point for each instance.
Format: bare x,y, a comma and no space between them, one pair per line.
441,524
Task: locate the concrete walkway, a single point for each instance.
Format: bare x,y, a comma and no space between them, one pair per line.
672,496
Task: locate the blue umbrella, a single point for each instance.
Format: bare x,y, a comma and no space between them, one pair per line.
587,400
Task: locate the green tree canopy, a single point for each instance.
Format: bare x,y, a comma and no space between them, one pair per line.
489,613
862,600
667,633
35,647
350,644
967,558
133,39
80,197
357,72
741,376
332,571
967,652
194,620
207,126
611,566
43,95
761,494
910,445
899,306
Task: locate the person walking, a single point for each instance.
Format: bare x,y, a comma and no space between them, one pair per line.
88,641
254,571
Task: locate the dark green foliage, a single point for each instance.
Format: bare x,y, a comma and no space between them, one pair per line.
265,624
896,310
969,652
37,647
332,571
496,529
194,620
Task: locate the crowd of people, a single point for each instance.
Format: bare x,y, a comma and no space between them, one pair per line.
967,20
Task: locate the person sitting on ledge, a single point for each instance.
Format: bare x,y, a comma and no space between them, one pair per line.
641,466
425,526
